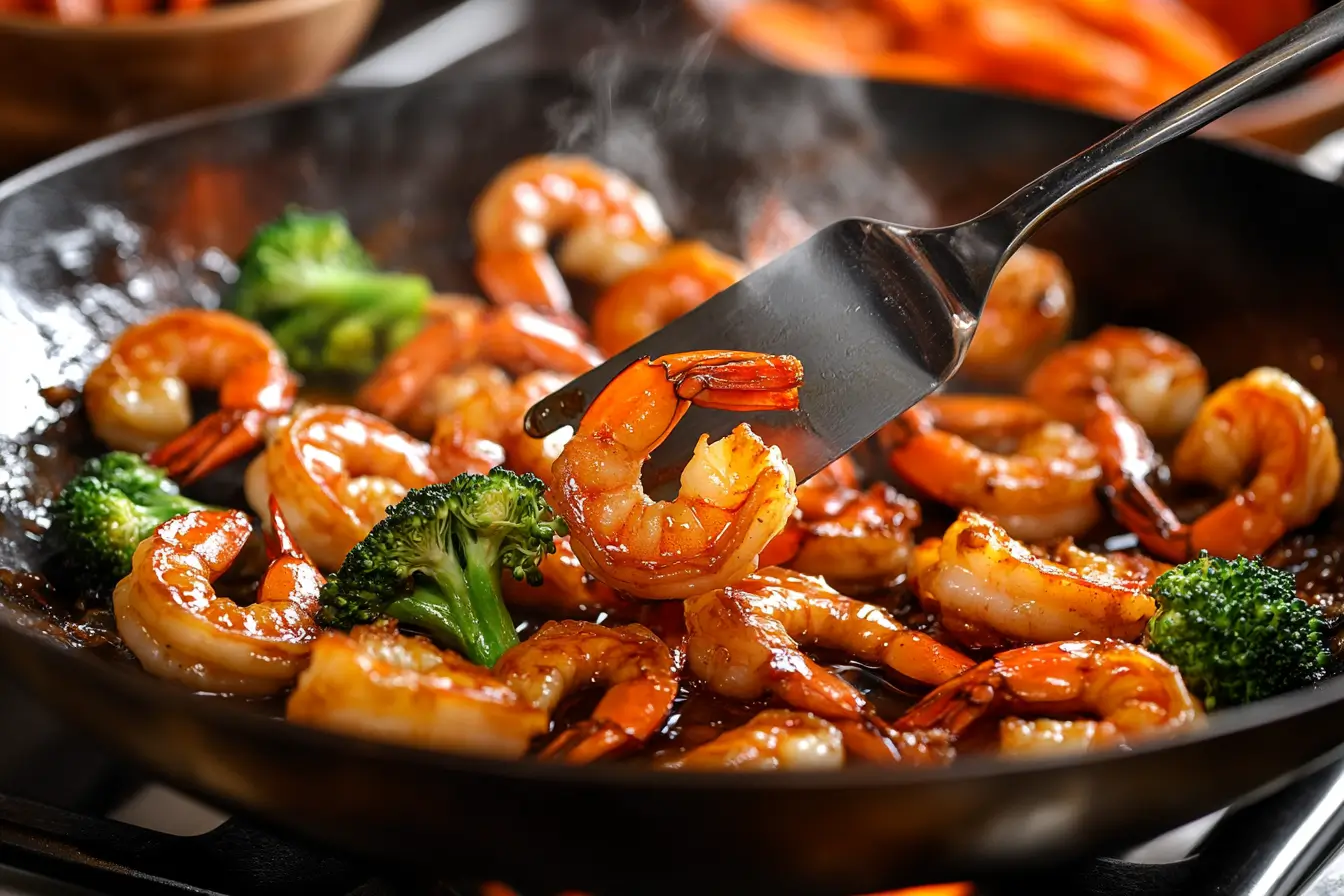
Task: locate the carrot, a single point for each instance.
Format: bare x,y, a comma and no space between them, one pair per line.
798,34
1166,31
118,8
75,10
1249,23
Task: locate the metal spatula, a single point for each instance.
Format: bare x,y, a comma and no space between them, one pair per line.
881,314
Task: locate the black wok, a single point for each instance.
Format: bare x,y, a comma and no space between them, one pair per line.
1236,255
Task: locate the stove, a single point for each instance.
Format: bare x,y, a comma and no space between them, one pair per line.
77,822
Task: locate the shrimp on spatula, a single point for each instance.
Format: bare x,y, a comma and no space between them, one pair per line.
736,493
882,314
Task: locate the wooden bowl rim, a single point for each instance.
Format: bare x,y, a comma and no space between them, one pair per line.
243,14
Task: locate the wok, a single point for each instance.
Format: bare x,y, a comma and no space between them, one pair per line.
1234,253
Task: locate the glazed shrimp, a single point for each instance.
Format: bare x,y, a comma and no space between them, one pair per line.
634,664
1028,313
1044,489
377,684
775,740
610,225
744,642
1262,438
856,539
645,301
517,339
170,616
746,637
736,494
139,397
335,470
990,590
1157,380
1127,691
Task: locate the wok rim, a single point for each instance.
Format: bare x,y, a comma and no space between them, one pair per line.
234,714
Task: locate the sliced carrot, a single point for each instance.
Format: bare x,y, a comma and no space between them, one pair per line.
799,34
116,8
76,10
1249,23
1164,30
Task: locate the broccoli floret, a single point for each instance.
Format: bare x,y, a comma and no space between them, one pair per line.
435,561
99,518
1237,630
307,280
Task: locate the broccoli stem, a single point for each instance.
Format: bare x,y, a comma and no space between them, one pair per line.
461,606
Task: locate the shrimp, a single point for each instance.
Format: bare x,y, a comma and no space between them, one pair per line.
736,494
1263,438
1028,312
991,590
335,470
1157,380
775,740
378,684
743,641
1045,489
139,398
856,539
454,450
403,389
611,227
645,301
566,589
170,616
562,657
1129,692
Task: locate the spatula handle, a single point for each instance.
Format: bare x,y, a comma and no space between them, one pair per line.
1251,75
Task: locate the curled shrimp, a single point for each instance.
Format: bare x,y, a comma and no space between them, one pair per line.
611,227
645,301
634,663
774,740
335,470
1028,312
1128,692
736,494
409,389
744,642
1157,380
375,683
139,398
1045,488
1265,440
170,616
990,590
857,539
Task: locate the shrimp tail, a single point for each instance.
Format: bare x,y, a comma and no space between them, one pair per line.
210,444
1128,461
734,381
589,740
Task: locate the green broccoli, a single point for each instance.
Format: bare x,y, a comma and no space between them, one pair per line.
99,518
435,561
1237,630
306,278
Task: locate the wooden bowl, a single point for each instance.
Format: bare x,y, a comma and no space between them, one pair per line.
63,84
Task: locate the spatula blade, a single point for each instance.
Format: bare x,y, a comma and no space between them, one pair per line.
859,303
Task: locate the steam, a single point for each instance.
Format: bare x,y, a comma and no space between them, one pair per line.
703,121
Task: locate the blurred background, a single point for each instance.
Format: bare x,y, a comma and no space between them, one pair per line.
72,70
